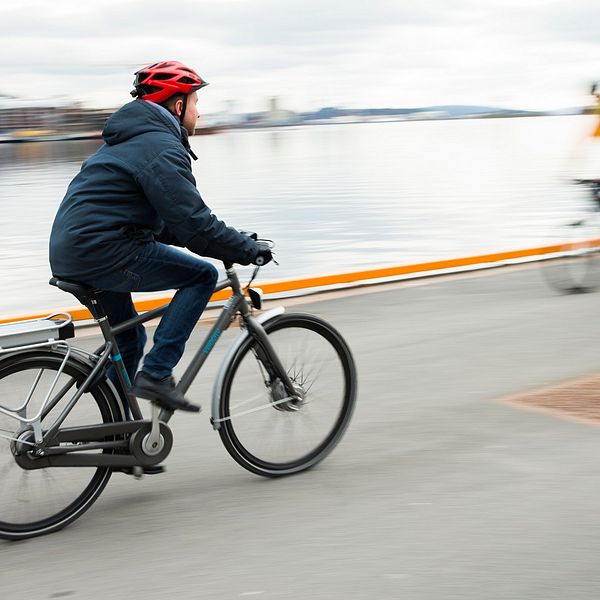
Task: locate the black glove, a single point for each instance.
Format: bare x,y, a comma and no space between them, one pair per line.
264,255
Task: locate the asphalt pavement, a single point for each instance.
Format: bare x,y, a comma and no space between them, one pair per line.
439,490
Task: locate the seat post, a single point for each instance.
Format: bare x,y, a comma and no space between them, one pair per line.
95,307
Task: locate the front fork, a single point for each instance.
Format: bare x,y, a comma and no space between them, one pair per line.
269,359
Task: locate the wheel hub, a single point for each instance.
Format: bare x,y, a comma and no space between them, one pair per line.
23,443
278,392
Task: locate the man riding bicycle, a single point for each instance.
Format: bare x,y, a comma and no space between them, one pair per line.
134,199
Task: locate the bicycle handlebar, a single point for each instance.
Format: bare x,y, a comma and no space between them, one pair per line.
259,261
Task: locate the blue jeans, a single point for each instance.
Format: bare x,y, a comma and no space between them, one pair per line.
157,267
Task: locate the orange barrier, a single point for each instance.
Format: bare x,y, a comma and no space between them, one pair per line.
80,313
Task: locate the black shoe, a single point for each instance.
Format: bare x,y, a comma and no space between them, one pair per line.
147,470
162,391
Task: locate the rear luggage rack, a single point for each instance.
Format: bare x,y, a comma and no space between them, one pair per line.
18,336
53,328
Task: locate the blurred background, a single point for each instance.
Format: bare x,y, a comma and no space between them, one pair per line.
354,136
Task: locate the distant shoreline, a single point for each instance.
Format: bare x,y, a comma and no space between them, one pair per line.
23,137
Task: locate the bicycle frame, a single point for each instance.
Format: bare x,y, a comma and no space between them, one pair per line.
236,303
95,436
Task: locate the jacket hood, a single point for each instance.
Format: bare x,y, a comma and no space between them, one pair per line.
135,118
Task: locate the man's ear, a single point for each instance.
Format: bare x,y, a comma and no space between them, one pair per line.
178,107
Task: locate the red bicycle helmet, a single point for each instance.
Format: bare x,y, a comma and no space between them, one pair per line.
160,81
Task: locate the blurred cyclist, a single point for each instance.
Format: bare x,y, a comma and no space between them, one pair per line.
583,161
595,91
131,202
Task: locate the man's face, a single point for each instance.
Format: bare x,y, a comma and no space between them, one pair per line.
191,112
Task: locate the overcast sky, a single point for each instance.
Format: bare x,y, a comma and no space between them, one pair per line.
311,53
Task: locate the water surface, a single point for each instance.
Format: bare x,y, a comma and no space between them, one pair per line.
333,197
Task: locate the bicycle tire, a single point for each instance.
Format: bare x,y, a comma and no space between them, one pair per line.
334,346
577,269
16,366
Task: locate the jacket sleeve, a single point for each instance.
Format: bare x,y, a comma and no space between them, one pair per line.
170,187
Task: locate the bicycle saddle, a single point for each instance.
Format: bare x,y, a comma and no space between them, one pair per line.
83,293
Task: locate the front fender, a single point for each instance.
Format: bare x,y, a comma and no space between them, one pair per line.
225,365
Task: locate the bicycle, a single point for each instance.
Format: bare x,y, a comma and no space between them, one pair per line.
69,429
576,266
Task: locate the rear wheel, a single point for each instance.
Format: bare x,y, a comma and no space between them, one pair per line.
266,430
39,501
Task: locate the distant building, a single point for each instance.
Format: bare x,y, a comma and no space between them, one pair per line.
17,114
278,116
24,118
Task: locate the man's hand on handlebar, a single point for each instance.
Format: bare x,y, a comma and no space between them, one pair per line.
264,254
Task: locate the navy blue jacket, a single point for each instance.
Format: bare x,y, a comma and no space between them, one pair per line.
138,187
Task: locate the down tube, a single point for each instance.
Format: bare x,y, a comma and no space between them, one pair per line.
223,322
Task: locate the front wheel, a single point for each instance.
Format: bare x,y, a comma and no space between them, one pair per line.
266,430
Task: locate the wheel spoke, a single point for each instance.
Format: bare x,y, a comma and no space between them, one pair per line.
58,397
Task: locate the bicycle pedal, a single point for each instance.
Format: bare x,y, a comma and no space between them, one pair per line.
137,472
